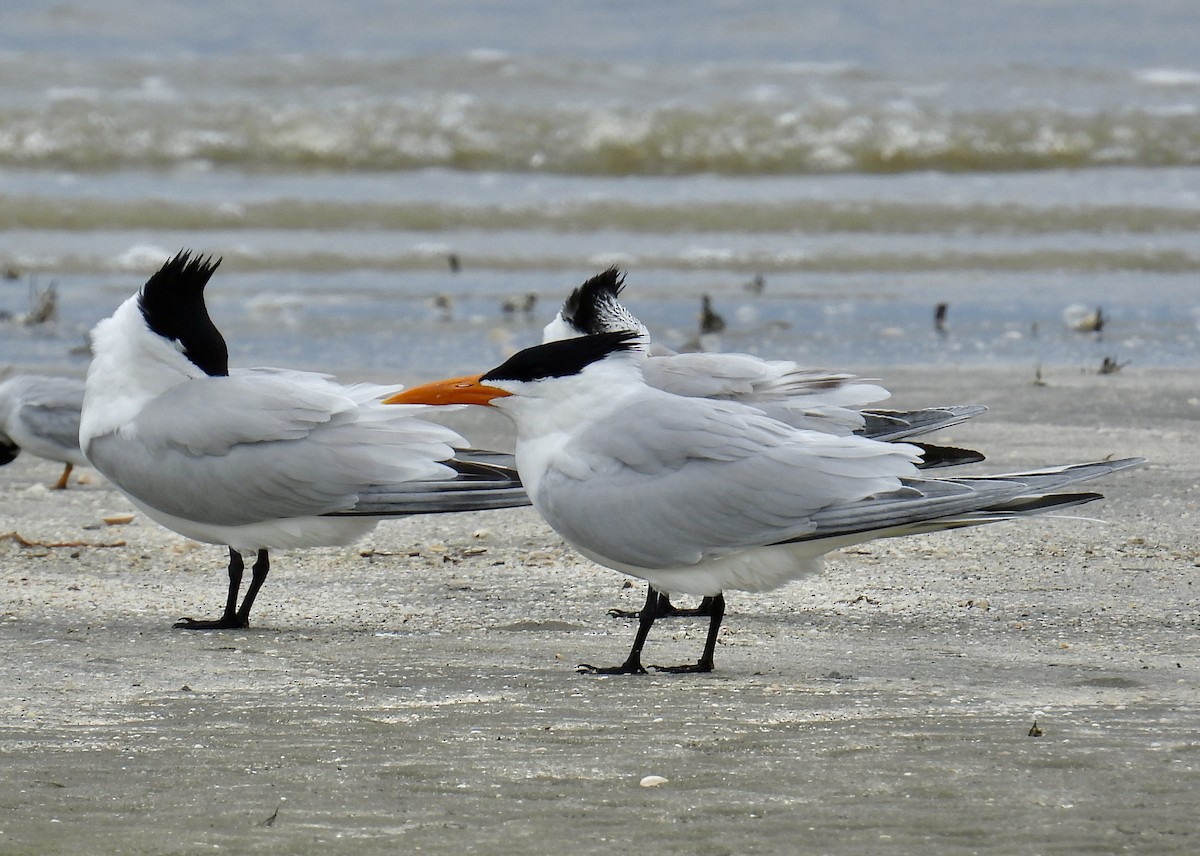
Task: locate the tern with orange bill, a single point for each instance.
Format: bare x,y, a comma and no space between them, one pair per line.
700,496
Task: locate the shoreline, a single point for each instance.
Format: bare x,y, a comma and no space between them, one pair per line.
418,691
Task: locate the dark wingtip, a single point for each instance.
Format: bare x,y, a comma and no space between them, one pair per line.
8,450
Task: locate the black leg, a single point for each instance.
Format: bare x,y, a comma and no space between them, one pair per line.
229,618
258,576
633,663
705,664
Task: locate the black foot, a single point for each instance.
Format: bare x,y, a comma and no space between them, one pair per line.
624,613
689,668
219,624
627,668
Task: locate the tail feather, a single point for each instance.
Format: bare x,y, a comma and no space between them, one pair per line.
936,457
482,481
1021,507
927,505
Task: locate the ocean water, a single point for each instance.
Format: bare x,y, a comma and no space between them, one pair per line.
1025,163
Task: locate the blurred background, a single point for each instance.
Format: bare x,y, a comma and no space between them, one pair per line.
412,188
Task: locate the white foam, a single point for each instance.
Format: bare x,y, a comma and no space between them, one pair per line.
1167,76
141,256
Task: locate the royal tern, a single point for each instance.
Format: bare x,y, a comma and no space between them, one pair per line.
40,414
803,398
699,496
258,459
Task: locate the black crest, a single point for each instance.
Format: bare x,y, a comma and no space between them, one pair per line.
584,308
560,359
172,303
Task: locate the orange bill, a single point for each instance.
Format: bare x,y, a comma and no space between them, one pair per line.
456,390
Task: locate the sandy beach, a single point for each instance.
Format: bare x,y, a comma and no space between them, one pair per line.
417,692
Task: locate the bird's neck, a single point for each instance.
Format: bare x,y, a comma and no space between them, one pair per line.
131,366
547,422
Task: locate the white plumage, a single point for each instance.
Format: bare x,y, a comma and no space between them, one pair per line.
805,398
828,402
257,459
699,496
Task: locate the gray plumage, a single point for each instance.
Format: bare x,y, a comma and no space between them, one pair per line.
40,414
696,495
259,459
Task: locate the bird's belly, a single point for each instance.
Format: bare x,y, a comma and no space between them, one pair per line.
756,570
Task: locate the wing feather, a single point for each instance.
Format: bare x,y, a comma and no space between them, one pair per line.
705,482
803,398
265,445
43,415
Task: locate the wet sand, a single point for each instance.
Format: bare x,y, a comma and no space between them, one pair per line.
417,693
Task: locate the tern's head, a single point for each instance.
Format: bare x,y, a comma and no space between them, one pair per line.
526,373
172,306
157,339
593,308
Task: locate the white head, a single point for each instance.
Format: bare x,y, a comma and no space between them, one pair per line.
548,390
548,371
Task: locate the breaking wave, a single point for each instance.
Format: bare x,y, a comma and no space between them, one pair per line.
732,139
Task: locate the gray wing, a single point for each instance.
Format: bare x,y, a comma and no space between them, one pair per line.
58,425
668,481
926,505
803,398
480,480
264,446
43,415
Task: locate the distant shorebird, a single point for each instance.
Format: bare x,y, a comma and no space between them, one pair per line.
43,306
939,317
1082,321
524,305
443,305
710,321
